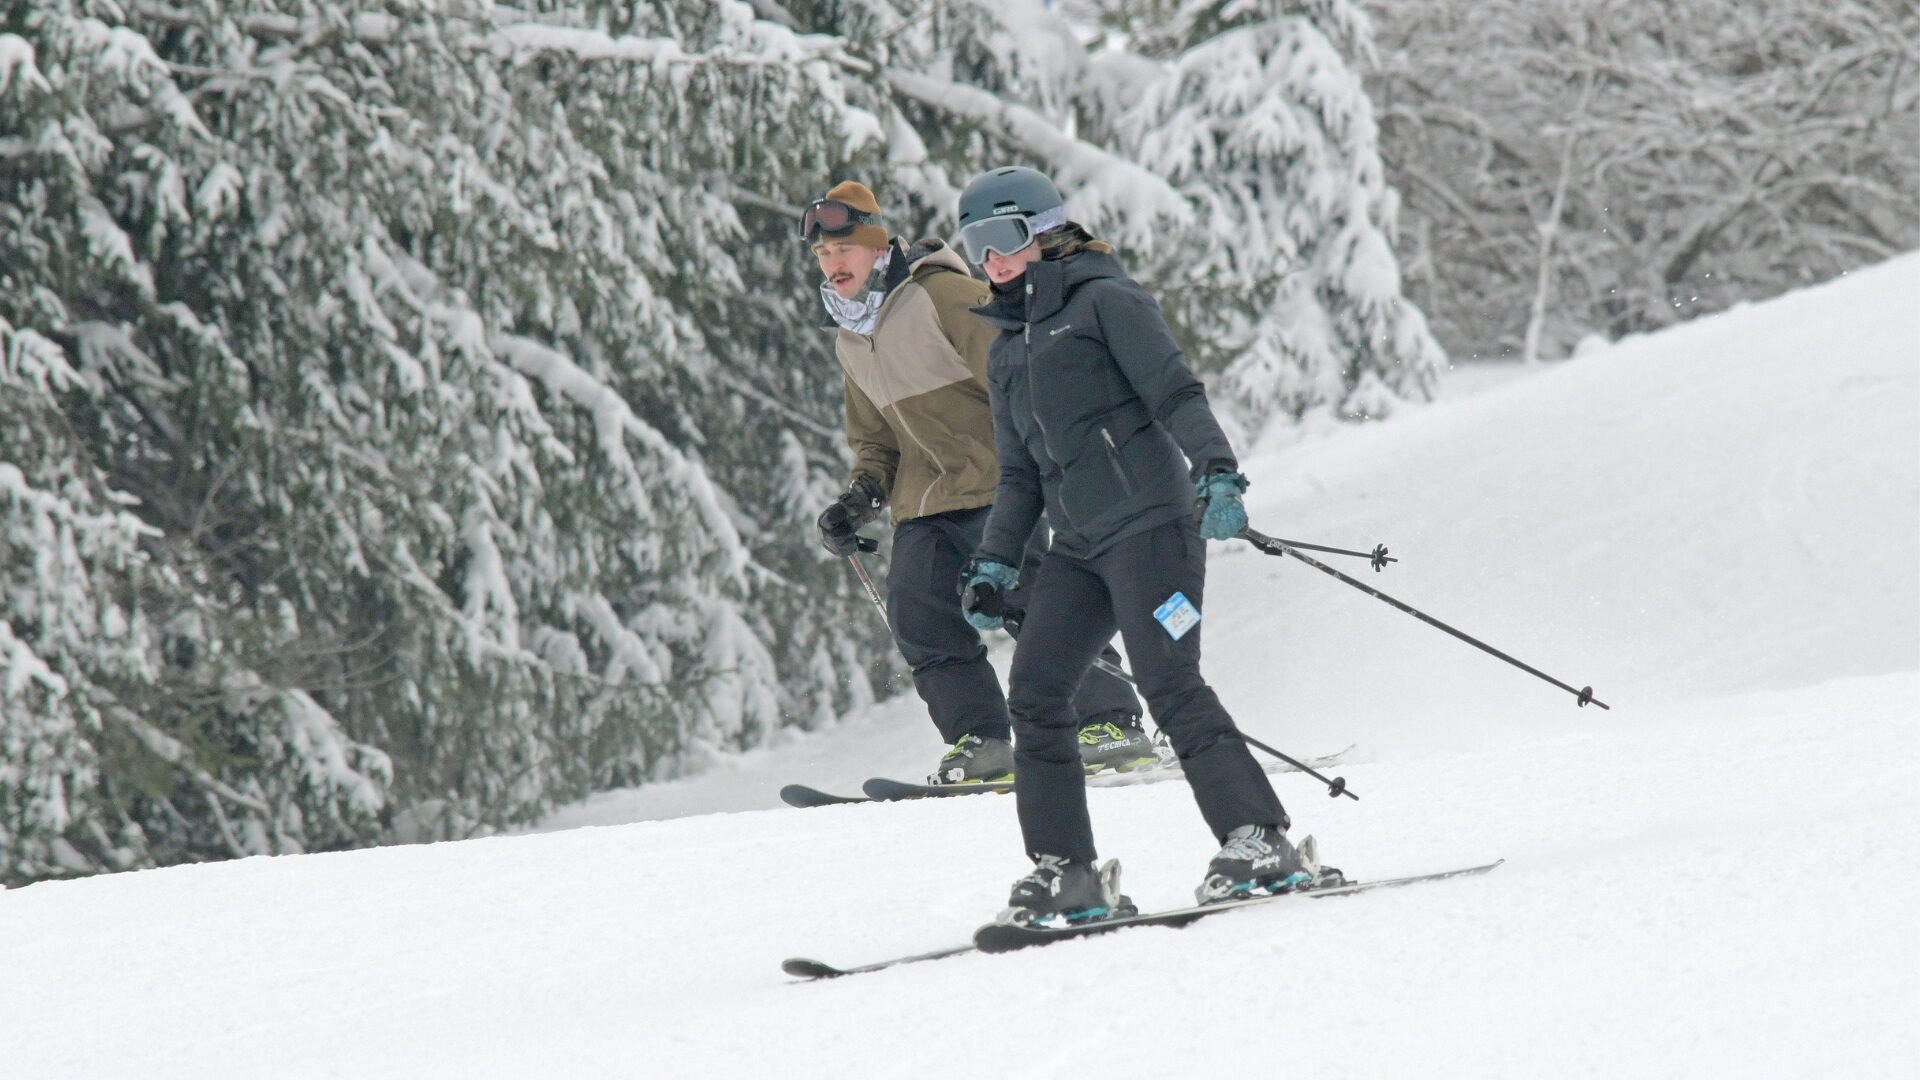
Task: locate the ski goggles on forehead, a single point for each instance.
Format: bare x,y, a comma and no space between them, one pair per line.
825,217
1005,235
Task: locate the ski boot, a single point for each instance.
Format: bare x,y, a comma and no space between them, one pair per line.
1258,860
1062,892
975,759
1163,748
1117,744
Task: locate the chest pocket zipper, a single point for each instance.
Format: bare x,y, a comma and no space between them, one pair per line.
1113,459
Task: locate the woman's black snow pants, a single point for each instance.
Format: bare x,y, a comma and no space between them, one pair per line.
1077,605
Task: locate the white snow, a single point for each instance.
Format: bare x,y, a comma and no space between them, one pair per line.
1717,527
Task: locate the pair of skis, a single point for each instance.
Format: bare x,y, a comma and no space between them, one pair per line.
1006,937
885,789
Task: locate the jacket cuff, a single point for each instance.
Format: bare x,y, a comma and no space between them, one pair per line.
869,488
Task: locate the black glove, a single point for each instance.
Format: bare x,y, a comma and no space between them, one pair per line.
856,506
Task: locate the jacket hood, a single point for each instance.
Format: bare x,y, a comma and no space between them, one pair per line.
1046,286
932,255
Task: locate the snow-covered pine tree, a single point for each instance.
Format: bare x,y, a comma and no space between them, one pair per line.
73,626
392,327
957,87
1290,283
1227,147
122,724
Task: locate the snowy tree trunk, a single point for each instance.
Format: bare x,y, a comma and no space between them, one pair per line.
1550,226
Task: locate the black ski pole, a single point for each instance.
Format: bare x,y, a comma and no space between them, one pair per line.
1336,787
1378,556
1584,695
873,594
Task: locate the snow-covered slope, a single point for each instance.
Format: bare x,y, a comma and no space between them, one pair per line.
1717,527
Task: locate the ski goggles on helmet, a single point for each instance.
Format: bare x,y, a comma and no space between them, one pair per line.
1007,234
826,217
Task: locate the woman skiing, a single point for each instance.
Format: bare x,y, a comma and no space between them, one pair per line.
1093,410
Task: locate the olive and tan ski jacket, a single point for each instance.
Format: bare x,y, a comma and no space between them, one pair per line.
916,389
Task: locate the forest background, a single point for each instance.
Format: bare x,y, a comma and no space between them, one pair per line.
412,415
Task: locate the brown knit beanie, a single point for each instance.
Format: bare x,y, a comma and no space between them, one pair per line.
858,196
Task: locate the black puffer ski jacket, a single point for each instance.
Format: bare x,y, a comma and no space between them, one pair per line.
1093,408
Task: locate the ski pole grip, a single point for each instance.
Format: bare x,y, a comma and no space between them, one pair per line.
866,544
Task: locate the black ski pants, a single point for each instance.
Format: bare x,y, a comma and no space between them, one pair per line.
1078,603
949,662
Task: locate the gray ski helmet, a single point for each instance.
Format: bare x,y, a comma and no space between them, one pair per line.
1015,189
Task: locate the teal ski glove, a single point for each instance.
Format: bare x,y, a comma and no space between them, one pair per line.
1224,516
983,588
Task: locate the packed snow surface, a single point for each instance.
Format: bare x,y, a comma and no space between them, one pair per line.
1716,527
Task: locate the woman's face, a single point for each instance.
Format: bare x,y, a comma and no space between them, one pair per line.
1004,268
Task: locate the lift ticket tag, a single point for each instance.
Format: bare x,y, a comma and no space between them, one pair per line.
1178,615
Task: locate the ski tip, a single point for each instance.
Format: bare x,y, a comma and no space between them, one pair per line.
800,795
807,798
803,968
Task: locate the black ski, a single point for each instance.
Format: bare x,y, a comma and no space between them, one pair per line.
882,789
800,967
997,937
886,789
1004,937
803,796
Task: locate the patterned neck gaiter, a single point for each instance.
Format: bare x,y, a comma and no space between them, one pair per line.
859,313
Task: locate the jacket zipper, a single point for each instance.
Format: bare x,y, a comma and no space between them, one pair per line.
1027,335
1113,458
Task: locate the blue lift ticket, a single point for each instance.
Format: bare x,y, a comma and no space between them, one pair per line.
1178,615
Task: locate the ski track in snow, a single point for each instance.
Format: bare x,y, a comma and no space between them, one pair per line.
1718,527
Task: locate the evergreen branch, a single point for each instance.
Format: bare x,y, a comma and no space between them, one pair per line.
740,384
170,750
368,28
518,33
771,11
1105,178
738,194
234,847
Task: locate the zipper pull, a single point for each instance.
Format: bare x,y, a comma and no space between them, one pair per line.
1108,435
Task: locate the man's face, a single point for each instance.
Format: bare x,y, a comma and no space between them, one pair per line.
1004,268
845,265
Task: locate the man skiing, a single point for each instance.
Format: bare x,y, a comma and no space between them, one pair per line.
1099,423
918,422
